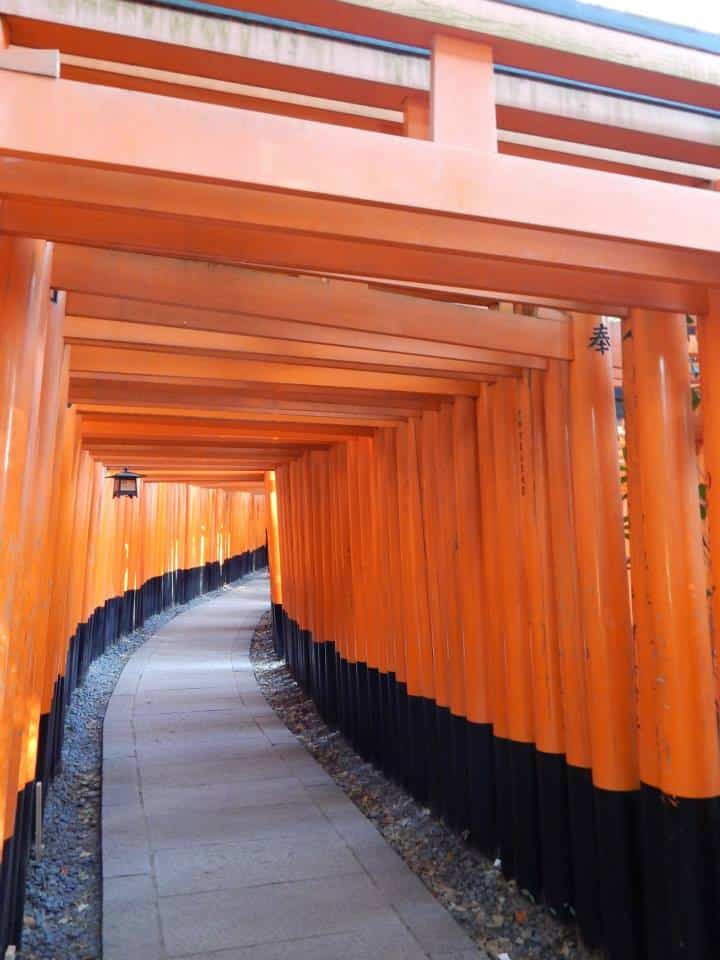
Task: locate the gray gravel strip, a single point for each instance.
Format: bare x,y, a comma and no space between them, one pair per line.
63,907
502,922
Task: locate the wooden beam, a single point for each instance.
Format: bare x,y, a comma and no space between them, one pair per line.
200,240
329,415
522,37
206,394
224,206
166,428
206,142
90,330
344,311
167,366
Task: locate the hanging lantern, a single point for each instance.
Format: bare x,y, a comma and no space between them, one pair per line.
125,483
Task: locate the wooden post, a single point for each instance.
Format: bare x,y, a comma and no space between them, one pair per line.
709,348
677,648
571,647
462,92
474,604
605,616
416,111
520,839
540,577
24,269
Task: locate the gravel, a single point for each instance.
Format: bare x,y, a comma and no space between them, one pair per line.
501,921
63,906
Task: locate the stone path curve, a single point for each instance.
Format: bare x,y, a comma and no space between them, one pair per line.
222,837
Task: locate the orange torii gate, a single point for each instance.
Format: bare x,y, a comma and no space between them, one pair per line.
386,345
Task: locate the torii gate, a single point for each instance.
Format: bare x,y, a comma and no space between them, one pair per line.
395,325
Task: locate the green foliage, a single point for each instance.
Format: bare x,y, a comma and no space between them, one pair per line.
702,494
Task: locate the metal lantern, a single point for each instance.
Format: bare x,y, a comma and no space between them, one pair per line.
125,483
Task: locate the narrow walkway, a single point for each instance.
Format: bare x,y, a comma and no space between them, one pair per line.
222,837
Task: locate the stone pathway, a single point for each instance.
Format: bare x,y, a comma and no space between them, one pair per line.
222,837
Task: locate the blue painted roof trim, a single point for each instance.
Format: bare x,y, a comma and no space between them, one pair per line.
607,91
196,6
633,23
213,10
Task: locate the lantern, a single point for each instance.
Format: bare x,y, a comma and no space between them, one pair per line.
125,483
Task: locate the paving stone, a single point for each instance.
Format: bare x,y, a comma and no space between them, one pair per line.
242,847
182,701
131,926
215,825
125,846
431,925
188,749
158,798
252,863
462,955
117,746
281,911
209,771
119,771
119,794
348,946
207,723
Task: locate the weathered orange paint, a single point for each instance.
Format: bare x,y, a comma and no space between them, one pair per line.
462,65
563,554
679,648
273,533
510,436
470,567
605,205
535,519
599,544
492,536
709,350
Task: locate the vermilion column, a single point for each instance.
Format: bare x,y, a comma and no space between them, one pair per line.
395,554
432,528
449,559
604,601
273,537
534,507
709,345
570,645
416,110
24,274
438,726
420,683
40,543
470,561
659,412
63,500
473,611
605,617
498,831
648,755
679,849
462,94
385,624
516,761
448,576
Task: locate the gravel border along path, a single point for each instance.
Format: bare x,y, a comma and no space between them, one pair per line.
63,906
503,923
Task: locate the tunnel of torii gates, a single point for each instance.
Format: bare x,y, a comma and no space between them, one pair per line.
378,298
